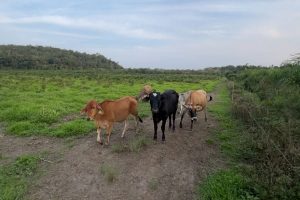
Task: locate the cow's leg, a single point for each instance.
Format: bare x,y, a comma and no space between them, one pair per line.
205,114
163,125
108,132
170,124
181,107
174,115
180,125
155,130
136,124
137,121
192,121
99,136
125,128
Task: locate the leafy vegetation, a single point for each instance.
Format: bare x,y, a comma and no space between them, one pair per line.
267,102
260,132
15,177
38,57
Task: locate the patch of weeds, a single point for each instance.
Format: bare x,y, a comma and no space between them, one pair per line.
153,184
25,128
226,185
135,145
15,177
109,172
119,148
209,141
138,143
71,128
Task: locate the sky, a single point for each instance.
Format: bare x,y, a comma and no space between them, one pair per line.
170,34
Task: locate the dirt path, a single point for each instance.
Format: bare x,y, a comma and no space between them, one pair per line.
169,170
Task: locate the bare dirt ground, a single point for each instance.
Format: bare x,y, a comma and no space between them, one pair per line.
169,170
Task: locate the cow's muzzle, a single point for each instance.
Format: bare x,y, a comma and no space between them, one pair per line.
155,111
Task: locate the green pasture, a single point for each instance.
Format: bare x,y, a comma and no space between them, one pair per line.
44,103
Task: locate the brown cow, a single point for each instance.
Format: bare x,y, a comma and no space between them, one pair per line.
107,112
196,101
145,92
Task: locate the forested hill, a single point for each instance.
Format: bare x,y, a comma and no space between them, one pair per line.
38,57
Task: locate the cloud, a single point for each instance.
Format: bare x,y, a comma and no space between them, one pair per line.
160,33
90,24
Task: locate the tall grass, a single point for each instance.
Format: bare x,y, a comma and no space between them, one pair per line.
267,101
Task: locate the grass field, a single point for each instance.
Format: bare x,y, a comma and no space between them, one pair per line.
48,103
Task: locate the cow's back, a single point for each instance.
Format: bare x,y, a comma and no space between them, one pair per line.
169,100
197,98
120,109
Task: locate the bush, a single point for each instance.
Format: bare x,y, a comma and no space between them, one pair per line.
267,101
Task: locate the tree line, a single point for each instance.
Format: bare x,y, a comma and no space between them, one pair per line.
39,57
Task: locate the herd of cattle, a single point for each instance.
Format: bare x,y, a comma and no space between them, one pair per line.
163,106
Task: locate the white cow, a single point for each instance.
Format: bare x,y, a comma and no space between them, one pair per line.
181,101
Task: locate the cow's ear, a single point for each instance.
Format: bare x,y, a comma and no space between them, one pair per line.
101,112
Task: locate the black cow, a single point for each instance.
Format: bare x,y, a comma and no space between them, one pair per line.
163,106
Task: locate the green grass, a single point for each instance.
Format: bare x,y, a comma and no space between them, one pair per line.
229,128
36,102
72,128
110,173
15,177
226,185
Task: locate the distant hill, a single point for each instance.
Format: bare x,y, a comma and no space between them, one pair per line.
38,57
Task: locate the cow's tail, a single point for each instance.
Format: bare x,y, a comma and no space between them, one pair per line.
140,119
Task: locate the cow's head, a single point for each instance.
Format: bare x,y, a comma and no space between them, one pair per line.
192,111
91,109
145,92
154,101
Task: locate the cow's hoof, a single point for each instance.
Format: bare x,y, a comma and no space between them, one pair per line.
180,125
155,138
100,142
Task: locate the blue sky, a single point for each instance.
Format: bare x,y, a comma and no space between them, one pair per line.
159,33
